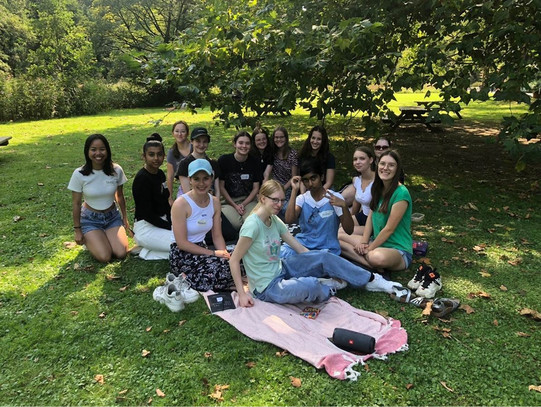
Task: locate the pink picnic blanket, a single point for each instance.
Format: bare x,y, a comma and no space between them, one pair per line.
284,326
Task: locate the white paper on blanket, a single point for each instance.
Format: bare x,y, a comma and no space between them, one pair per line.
284,326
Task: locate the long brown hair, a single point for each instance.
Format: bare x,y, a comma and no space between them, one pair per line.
287,149
378,188
174,147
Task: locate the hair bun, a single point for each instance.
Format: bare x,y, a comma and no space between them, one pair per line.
154,136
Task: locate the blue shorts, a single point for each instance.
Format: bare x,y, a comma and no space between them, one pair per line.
91,220
407,256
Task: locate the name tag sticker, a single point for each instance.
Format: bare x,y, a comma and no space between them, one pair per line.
202,221
245,177
326,214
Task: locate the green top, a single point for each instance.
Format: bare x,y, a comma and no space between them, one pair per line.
401,238
262,260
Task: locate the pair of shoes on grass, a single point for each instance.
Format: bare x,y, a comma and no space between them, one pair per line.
426,282
175,293
440,306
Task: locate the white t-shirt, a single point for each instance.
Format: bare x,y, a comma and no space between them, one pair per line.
97,188
363,197
309,200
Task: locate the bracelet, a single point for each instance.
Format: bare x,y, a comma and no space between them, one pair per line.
77,227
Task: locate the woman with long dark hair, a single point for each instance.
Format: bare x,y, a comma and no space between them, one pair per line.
316,146
97,188
262,150
152,226
389,220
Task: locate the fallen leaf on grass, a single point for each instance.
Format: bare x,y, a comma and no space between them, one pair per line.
467,308
122,392
69,245
148,328
40,184
531,313
180,323
515,262
218,392
208,355
122,289
409,386
446,387
424,260
495,322
472,206
166,330
282,353
479,248
99,379
149,401
102,315
74,313
43,234
534,388
428,308
484,273
503,288
523,334
145,353
249,365
445,240
481,294
111,277
160,393
17,218
295,381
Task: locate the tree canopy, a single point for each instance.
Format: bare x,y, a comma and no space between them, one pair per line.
330,56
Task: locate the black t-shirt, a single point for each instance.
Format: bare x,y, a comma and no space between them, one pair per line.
182,170
151,195
239,177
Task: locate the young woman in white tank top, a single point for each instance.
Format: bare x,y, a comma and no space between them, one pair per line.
193,215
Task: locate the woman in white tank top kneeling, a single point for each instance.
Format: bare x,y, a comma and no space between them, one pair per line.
193,215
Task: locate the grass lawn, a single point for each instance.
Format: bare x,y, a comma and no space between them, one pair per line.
64,318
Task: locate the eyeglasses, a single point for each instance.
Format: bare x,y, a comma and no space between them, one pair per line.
276,200
381,148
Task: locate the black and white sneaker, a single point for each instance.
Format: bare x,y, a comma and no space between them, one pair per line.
430,286
417,279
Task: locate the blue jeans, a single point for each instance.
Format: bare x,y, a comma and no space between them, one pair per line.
298,281
320,263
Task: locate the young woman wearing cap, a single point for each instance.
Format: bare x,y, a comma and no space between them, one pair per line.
200,141
193,215
180,149
152,227
97,221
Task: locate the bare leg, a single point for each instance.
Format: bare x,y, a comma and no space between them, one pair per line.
97,243
118,241
385,258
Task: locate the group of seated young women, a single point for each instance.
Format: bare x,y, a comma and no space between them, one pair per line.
248,194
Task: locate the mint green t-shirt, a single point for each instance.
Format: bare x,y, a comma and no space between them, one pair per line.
262,260
401,238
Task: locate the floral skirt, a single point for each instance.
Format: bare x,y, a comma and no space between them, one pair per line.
202,272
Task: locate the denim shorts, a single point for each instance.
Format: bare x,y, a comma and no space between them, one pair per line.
91,220
407,256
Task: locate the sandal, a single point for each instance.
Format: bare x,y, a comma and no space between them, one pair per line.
401,294
444,306
419,302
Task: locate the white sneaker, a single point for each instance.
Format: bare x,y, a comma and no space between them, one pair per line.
430,286
335,283
169,295
379,284
188,294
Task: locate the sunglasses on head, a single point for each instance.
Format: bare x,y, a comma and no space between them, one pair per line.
381,147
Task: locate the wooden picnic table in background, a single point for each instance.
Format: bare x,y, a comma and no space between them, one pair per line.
412,114
4,141
440,105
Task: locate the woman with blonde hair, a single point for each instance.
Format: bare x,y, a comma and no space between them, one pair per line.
299,278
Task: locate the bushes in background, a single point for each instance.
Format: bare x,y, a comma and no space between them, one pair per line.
46,98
